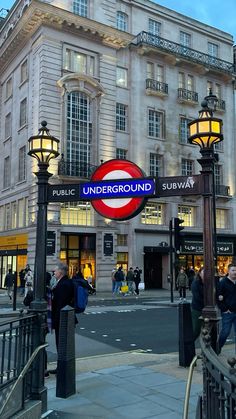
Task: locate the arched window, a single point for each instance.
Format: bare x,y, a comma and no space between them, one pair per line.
79,133
80,7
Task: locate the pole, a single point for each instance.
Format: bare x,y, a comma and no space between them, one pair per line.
209,311
39,304
171,261
216,158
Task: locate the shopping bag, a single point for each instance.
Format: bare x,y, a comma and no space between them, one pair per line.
124,289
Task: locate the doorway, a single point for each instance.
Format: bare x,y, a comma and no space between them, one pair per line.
153,270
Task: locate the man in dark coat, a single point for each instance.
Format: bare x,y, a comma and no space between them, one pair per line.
62,295
9,281
137,279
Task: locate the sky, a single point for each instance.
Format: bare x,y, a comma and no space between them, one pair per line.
212,12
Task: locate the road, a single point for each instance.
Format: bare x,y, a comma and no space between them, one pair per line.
115,326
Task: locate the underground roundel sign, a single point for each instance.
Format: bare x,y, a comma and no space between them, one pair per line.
121,208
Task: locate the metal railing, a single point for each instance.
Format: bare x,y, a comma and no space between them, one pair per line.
188,95
219,386
220,105
157,86
16,347
182,51
75,168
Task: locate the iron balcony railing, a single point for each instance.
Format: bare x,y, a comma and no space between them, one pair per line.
187,95
157,86
182,51
75,168
220,105
222,190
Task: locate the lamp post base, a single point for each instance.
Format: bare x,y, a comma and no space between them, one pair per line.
210,333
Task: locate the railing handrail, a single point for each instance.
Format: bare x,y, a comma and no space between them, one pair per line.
22,374
18,317
189,53
159,85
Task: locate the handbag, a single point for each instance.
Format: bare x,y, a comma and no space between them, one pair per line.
124,288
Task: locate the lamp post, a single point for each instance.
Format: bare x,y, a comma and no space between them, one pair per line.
43,147
205,132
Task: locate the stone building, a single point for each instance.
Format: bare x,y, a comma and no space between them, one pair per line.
113,79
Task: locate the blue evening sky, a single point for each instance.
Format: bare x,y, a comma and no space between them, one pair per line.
212,12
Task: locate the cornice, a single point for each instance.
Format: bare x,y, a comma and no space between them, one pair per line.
19,27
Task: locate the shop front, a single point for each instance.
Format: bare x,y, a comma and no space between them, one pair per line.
191,254
13,255
78,251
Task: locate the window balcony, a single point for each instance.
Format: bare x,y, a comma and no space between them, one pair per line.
220,105
222,190
75,169
167,47
154,87
185,95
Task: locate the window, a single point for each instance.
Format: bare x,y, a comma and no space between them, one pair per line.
190,83
7,173
24,71
22,212
8,88
155,124
181,80
155,72
156,165
218,91
221,218
14,214
121,21
209,87
8,125
218,169
80,7
23,112
121,153
121,77
2,215
212,49
185,39
79,63
186,167
121,117
76,213
152,214
186,213
79,130
184,130
154,27
22,164
122,239
8,216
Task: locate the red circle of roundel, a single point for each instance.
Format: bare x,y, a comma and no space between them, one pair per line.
131,206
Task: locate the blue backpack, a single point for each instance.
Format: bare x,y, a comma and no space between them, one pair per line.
80,295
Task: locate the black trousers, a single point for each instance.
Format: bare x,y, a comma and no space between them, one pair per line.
182,292
136,287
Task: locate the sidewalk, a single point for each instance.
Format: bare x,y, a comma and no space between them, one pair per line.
126,385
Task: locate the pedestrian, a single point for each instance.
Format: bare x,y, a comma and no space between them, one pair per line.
62,295
197,302
119,277
28,281
137,279
191,276
130,280
113,280
22,281
182,284
226,300
9,281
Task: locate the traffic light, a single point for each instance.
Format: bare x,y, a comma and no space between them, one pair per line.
177,235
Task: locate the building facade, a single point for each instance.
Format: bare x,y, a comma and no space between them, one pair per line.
117,79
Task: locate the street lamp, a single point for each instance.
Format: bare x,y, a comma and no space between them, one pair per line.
43,147
205,132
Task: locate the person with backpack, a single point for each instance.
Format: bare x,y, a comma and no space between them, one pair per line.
82,288
119,277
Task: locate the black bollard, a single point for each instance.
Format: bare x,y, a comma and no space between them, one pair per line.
186,342
65,386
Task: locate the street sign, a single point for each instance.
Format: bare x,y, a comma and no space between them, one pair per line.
124,207
178,185
64,193
108,244
127,188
